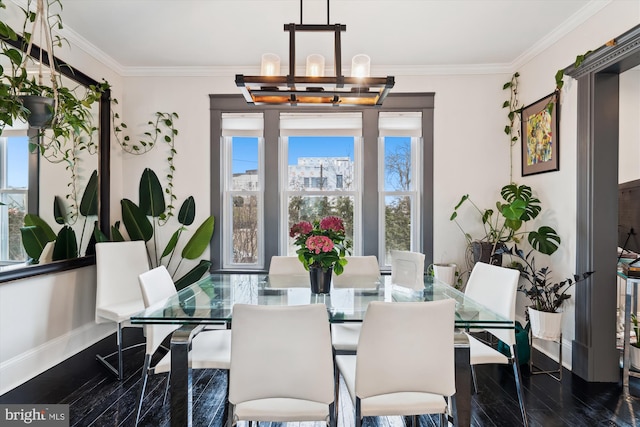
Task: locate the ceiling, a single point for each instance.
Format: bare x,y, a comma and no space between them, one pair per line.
402,36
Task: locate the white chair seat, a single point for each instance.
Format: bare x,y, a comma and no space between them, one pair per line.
208,351
480,353
282,409
120,312
344,336
401,403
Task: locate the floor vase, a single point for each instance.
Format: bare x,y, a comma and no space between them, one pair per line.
320,279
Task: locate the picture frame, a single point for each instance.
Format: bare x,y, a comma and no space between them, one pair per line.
540,137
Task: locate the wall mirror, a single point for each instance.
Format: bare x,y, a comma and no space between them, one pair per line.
30,182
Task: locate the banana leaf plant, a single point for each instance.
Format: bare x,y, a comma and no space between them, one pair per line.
142,221
36,233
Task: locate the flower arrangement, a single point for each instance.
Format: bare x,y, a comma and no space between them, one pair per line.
321,243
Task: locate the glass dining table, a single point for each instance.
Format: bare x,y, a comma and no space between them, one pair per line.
211,301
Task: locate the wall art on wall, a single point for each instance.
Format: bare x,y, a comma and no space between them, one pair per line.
540,142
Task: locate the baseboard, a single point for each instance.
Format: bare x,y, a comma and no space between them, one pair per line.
25,366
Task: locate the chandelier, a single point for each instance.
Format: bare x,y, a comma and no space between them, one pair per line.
314,88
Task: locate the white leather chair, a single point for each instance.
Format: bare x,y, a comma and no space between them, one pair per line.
118,297
287,272
281,364
496,287
209,349
407,269
360,271
405,361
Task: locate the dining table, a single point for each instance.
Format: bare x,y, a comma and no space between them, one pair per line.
211,300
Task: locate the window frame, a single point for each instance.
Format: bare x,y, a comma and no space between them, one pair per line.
409,102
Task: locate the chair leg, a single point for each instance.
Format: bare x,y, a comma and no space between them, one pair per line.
358,413
518,378
119,342
415,421
444,422
475,381
145,376
166,390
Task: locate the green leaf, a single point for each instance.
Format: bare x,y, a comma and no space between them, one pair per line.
99,235
545,240
33,219
173,241
135,221
66,246
196,246
116,236
187,211
89,202
34,239
150,194
193,275
59,213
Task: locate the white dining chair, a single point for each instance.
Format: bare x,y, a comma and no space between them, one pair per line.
287,272
495,287
118,297
407,269
360,271
210,349
405,361
281,364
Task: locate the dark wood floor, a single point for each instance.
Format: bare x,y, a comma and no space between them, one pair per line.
97,399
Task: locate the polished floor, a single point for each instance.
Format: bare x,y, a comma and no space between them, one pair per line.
97,399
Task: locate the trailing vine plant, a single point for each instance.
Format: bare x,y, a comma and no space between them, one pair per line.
512,129
162,127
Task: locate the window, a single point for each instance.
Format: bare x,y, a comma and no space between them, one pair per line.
14,188
243,199
317,161
400,146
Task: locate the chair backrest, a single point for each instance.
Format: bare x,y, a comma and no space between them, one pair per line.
360,271
415,339
407,269
281,351
118,265
287,272
495,287
156,286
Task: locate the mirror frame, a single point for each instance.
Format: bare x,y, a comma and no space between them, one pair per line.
104,162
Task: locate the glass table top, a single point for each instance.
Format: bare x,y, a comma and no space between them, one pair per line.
211,299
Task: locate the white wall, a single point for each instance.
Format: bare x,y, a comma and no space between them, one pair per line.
557,190
45,320
629,139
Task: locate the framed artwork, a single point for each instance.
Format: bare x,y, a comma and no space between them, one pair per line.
540,142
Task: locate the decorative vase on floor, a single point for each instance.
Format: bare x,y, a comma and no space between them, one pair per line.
634,357
320,279
545,325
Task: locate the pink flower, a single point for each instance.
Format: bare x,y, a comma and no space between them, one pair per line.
332,223
303,227
319,244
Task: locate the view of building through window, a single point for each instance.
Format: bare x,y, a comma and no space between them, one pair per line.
14,183
245,186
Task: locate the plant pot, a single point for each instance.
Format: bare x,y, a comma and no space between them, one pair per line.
545,325
320,279
483,252
41,110
445,273
634,356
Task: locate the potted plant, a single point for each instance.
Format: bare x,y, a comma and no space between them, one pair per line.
504,224
546,295
322,247
634,348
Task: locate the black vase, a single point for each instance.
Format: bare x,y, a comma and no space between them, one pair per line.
320,279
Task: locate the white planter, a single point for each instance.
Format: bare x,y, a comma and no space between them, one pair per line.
445,273
634,355
545,325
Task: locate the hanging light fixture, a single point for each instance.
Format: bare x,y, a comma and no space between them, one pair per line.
314,88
